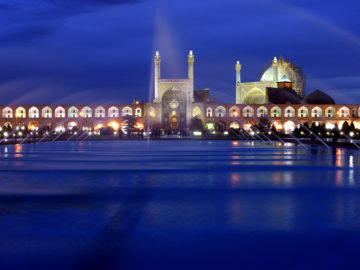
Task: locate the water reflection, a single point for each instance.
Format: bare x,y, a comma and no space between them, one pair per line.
132,200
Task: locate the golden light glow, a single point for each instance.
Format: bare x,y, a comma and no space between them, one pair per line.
98,126
139,126
234,125
33,125
115,125
278,125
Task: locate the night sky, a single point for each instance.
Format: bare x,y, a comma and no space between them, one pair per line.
101,51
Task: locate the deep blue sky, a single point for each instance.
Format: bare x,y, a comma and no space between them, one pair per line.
93,51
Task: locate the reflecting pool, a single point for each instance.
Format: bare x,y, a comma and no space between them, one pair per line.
178,205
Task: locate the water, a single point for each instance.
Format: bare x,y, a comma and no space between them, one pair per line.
178,205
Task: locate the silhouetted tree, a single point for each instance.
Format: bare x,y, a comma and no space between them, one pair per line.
345,127
196,124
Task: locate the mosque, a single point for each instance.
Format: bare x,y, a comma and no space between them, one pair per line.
279,94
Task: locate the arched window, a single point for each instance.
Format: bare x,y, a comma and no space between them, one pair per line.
234,111
86,112
59,112
138,112
34,112
113,112
289,112
20,112
261,111
248,111
275,112
220,111
7,112
303,112
196,112
209,112
316,112
46,112
100,112
330,112
289,126
344,112
73,112
126,111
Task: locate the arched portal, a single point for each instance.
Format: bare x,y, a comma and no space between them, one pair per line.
173,105
33,125
174,122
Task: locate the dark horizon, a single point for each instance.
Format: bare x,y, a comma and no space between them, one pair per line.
101,51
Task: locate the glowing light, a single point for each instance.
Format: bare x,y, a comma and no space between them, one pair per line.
71,125
197,133
329,126
235,114
20,133
139,126
351,161
157,53
289,126
278,125
235,143
351,134
226,132
6,134
59,129
115,125
234,125
98,126
247,126
210,126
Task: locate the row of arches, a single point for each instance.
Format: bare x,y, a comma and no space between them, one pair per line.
276,111
72,112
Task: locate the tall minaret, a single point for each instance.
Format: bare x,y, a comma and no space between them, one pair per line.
191,59
275,68
157,60
238,81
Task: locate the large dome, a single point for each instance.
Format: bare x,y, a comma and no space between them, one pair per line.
289,70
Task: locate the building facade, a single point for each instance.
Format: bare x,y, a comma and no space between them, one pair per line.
176,103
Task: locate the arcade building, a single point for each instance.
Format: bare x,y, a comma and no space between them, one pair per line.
279,95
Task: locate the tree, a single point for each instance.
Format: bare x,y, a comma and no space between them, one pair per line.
345,127
196,124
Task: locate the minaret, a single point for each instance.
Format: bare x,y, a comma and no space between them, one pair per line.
238,81
157,60
191,59
275,68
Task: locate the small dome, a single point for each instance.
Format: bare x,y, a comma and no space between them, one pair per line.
284,79
318,97
293,73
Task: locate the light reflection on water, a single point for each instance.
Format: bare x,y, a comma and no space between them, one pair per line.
102,200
